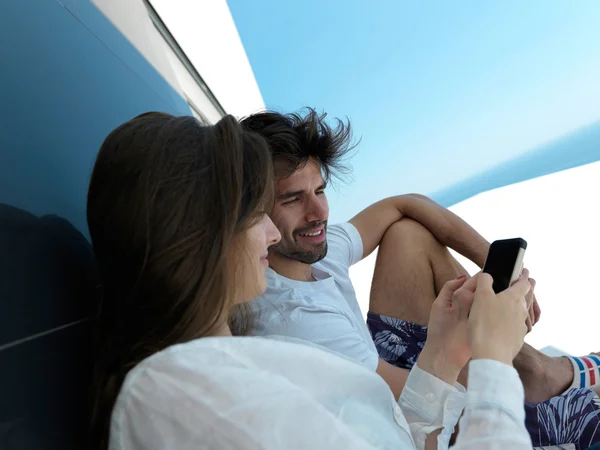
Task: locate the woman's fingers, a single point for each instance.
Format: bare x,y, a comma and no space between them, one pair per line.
450,287
497,321
464,296
530,298
484,283
521,288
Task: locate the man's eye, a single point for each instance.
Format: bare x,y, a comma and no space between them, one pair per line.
320,192
288,202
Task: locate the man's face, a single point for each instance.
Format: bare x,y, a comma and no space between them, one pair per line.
300,213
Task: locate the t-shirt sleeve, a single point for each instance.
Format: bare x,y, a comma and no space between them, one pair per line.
344,244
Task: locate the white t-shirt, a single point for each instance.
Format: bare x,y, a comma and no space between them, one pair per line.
236,393
325,311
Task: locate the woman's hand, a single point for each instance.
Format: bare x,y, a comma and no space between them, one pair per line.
497,323
448,349
534,309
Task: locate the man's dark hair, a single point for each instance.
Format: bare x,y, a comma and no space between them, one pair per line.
294,138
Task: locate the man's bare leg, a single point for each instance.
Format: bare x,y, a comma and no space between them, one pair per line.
543,377
411,269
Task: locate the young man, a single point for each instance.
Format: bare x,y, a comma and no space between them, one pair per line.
310,295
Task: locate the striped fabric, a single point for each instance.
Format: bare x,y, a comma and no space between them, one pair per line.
587,371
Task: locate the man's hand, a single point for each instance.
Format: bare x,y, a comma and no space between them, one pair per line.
448,349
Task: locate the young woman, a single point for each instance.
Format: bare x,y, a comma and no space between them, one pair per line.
176,213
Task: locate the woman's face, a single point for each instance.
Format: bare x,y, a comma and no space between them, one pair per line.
252,260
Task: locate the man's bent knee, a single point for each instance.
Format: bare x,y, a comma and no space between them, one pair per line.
409,231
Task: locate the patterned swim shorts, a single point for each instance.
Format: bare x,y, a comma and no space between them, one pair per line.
571,418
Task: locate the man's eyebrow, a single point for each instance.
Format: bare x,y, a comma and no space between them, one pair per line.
290,194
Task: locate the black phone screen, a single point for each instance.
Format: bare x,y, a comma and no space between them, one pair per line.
502,258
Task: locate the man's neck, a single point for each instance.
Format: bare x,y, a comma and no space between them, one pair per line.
289,268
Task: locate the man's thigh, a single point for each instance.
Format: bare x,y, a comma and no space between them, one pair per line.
411,268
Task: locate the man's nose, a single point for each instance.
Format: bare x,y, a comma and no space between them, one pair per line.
316,210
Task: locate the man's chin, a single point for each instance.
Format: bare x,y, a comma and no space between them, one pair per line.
305,256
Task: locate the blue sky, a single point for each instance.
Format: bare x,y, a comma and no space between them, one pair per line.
437,91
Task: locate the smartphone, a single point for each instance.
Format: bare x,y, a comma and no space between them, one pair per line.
505,262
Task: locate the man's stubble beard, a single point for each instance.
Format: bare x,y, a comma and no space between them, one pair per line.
303,256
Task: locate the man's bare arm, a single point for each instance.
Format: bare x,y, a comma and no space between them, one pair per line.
447,227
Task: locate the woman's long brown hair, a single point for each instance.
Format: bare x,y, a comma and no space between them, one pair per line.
166,200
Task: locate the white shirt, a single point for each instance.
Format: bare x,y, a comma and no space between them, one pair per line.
229,393
325,311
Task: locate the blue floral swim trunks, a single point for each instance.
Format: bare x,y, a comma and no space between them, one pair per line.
571,418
